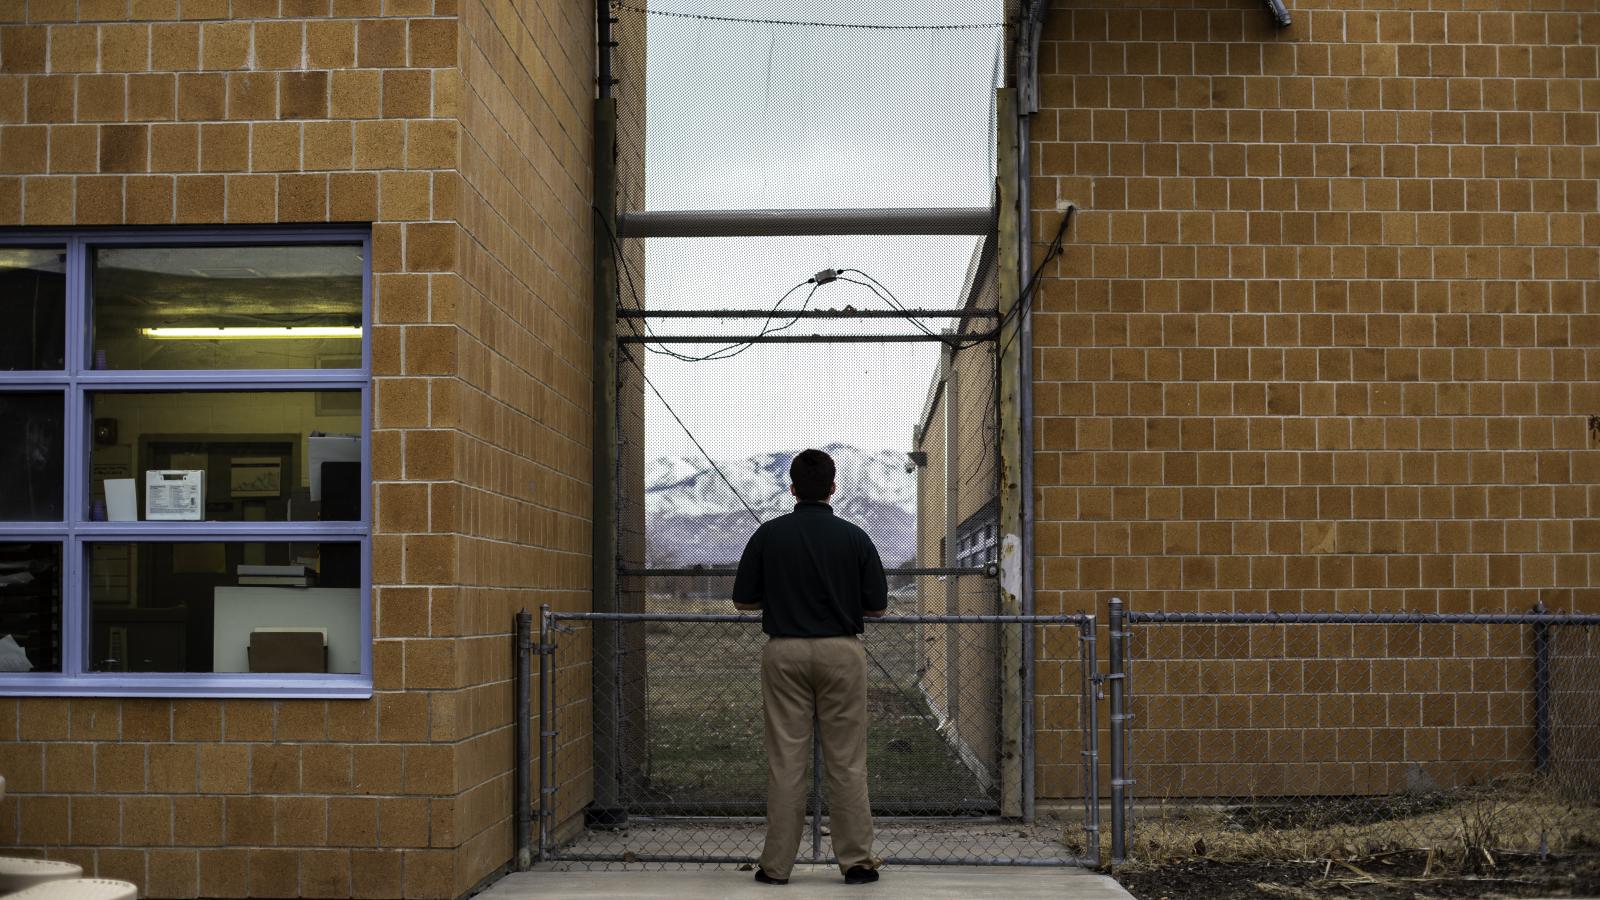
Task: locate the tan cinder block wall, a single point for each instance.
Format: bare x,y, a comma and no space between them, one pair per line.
159,112
525,363
960,663
1323,337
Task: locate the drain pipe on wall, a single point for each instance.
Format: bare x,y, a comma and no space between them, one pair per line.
606,808
1027,104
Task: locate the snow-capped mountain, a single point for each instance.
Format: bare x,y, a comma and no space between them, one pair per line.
693,518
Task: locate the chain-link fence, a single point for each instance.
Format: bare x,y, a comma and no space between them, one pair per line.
685,762
1345,735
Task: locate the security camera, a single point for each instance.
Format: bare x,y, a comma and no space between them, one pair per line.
910,467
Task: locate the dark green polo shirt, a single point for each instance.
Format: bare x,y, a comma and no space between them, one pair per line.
812,573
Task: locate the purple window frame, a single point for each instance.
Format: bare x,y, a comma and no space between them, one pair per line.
76,380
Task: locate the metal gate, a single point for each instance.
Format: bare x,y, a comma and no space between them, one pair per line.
688,764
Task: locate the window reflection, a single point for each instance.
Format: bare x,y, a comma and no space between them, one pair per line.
253,307
31,440
33,285
225,607
30,607
244,456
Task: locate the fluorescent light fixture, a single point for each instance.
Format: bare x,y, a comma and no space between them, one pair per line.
252,333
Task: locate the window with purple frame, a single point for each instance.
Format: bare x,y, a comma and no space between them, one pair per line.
184,484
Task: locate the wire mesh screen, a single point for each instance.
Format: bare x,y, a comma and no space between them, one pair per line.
710,419
690,767
735,354
1307,741
733,105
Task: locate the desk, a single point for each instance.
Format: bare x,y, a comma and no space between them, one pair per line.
241,609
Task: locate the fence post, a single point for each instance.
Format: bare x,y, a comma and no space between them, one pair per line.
547,730
1117,632
1089,662
524,739
1541,692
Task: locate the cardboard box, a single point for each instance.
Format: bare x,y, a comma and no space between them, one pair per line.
288,651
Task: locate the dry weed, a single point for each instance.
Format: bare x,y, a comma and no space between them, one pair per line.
1455,825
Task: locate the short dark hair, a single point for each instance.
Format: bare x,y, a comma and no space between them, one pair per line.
812,473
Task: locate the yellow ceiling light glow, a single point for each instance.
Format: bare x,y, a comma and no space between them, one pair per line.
253,333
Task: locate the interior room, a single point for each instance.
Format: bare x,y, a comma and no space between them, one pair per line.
238,456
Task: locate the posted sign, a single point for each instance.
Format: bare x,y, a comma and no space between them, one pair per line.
174,494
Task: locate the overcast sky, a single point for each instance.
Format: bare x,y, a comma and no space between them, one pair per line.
743,115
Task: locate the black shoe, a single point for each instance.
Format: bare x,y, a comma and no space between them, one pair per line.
860,875
764,878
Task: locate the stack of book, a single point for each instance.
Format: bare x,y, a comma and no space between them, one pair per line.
274,576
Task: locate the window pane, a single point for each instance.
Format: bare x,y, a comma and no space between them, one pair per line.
30,607
259,456
250,307
225,607
33,287
30,457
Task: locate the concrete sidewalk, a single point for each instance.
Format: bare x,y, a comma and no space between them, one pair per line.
813,883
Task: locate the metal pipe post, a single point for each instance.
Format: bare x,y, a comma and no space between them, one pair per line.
816,788
755,618
547,731
952,509
1027,89
988,570
524,640
1368,618
1117,677
975,220
607,807
1016,757
605,42
809,313
1279,13
770,338
1089,661
1541,692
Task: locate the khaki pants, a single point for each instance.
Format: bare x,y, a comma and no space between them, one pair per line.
828,675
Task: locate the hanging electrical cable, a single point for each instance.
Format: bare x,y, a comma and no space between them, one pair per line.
1024,304
691,435
826,276
953,341
726,352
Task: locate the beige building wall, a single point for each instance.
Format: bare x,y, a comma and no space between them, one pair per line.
523,392
1323,338
460,131
960,664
